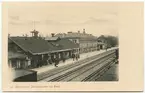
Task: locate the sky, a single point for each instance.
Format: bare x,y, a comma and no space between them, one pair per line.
97,18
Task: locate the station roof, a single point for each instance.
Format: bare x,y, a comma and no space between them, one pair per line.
41,46
64,44
33,45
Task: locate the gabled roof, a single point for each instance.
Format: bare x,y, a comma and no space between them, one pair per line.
33,45
67,44
41,46
64,43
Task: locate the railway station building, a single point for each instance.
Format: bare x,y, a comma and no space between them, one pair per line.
33,52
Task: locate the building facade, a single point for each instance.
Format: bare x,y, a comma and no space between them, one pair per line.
33,52
87,42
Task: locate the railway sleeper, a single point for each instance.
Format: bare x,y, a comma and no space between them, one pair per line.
50,73
99,72
61,77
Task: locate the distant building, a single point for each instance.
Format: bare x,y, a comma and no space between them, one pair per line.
75,34
32,52
87,42
102,42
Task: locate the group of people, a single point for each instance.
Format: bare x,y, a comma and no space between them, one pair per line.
75,56
56,60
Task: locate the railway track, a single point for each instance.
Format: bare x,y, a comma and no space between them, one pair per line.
73,71
96,74
90,73
46,76
75,74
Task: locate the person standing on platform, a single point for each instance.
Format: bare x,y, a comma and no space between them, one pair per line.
56,62
49,60
63,59
106,48
73,56
77,57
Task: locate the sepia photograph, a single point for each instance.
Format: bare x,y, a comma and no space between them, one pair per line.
54,45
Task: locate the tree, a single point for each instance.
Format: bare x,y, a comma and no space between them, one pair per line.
111,41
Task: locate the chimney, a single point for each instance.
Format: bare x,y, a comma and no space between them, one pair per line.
52,34
34,33
78,31
69,32
84,31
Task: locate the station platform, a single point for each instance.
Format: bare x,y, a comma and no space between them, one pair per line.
69,61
